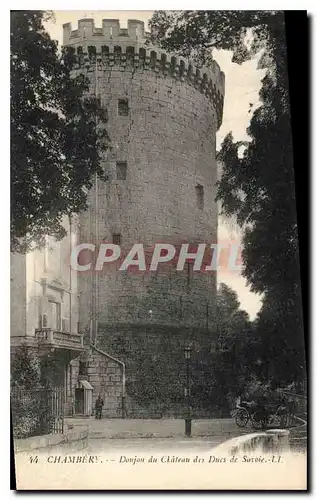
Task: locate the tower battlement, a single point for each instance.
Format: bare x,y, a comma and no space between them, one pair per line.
112,46
110,31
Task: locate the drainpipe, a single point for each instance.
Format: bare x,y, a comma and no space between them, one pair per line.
96,298
95,278
70,276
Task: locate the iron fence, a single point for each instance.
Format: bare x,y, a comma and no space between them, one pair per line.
37,411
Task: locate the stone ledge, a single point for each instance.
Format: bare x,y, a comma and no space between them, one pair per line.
271,440
48,441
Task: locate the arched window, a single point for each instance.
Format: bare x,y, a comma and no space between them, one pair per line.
163,61
92,52
142,53
117,52
181,68
130,54
173,64
142,56
153,57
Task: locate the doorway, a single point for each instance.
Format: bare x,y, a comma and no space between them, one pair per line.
79,401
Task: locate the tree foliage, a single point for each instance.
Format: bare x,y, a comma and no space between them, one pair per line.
223,367
55,144
25,370
257,186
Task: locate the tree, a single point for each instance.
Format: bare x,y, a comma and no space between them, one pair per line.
25,370
58,133
257,184
29,402
223,366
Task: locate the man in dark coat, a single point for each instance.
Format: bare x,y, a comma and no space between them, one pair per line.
98,407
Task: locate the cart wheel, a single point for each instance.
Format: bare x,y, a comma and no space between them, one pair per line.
242,418
285,419
259,420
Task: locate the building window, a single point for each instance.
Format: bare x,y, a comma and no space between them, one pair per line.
42,321
200,196
83,368
121,170
54,315
116,239
130,55
65,325
123,107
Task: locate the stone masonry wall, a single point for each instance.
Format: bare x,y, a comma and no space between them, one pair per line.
105,376
155,364
167,139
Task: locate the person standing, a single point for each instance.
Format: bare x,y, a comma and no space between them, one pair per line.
98,407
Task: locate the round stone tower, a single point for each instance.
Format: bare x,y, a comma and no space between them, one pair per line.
163,114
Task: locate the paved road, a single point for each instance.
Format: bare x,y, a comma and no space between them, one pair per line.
161,428
157,445
166,434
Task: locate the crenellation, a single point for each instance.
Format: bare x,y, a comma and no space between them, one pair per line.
110,28
134,37
86,29
136,29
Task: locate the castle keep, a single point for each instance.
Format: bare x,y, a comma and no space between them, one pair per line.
163,114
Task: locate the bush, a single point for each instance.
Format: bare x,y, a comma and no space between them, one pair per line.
28,399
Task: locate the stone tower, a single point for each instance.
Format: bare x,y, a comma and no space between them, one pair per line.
163,114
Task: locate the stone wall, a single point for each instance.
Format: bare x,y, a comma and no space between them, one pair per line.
106,377
166,141
69,442
168,153
155,365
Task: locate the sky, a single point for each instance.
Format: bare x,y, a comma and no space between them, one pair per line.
242,88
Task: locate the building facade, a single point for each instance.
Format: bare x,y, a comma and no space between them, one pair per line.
44,293
45,318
